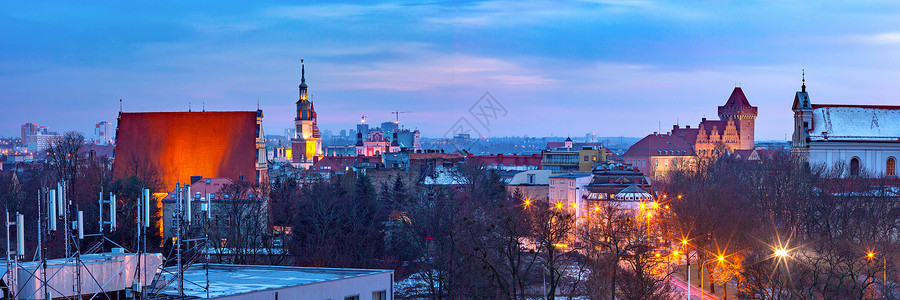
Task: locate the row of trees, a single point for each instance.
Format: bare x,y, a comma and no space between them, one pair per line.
474,240
787,230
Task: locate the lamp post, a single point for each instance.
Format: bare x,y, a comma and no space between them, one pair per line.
720,259
871,256
687,258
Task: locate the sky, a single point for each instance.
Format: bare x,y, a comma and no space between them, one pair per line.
610,67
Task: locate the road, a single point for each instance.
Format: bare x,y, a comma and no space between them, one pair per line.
695,292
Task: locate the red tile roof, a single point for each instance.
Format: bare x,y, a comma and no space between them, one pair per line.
507,160
737,98
178,145
434,155
653,143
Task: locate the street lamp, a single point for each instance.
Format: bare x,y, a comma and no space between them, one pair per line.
871,256
720,259
781,252
687,258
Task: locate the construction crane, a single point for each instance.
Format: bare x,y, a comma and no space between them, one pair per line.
397,115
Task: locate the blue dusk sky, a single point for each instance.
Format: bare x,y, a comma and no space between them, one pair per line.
614,68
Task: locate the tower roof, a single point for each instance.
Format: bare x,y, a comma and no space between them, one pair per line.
737,98
302,75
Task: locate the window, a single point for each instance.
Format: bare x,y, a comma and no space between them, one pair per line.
854,166
656,162
530,178
890,166
587,158
354,297
382,295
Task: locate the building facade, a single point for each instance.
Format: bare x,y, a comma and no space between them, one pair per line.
658,153
862,139
568,156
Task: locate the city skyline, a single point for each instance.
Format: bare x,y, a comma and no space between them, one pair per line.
560,69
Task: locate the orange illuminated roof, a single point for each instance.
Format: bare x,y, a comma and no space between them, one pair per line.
177,145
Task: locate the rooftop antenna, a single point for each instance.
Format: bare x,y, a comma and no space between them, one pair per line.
204,106
120,105
257,103
189,106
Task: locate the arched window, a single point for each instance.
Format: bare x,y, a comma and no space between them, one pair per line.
854,166
890,166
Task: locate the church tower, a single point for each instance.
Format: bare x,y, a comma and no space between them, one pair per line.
262,161
744,115
305,146
802,120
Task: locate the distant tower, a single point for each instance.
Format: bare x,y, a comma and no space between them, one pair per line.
262,162
803,109
744,116
305,146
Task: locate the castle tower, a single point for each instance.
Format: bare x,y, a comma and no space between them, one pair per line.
305,146
744,115
802,108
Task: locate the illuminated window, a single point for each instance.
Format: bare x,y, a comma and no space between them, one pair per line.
890,166
854,166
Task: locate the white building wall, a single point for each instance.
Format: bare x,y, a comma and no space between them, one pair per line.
872,155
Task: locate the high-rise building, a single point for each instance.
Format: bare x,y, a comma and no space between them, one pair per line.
28,129
305,146
101,133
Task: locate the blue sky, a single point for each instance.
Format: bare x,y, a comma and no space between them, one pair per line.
615,68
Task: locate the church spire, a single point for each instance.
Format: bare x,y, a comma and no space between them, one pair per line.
803,87
303,85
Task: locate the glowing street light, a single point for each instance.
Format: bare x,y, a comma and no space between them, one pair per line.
782,253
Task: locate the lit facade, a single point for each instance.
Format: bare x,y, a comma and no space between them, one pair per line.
305,145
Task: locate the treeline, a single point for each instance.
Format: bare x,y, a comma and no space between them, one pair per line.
787,230
474,240
86,176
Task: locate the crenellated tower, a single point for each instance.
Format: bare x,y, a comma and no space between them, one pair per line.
738,108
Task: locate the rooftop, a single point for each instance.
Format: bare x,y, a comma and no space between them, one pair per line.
227,280
855,123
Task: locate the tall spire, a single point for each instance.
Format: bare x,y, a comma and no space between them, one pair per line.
302,73
303,85
803,87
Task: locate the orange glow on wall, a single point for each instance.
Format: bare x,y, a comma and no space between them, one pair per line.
311,148
177,145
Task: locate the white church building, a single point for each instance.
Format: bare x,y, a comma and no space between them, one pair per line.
865,138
